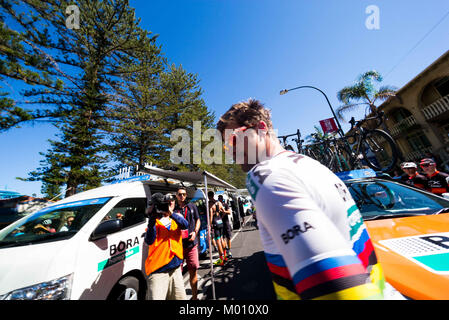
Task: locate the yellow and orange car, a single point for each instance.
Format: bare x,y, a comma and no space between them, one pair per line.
409,229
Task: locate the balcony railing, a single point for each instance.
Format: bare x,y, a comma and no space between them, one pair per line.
403,125
418,154
436,108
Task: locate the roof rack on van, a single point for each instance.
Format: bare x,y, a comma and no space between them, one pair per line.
201,177
144,177
356,174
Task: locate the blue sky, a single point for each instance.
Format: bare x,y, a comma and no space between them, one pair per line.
255,48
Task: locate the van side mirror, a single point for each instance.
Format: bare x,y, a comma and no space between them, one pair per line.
105,228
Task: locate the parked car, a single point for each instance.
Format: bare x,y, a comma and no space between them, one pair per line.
409,229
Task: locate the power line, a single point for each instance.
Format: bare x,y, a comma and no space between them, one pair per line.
418,43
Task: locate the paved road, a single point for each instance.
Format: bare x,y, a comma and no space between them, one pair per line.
244,277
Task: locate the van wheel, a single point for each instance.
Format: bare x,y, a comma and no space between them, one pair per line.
126,289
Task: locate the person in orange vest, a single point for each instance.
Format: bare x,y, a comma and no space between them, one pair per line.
165,251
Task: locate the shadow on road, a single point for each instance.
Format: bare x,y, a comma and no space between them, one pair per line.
245,278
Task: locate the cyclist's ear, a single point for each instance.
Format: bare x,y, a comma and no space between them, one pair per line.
262,126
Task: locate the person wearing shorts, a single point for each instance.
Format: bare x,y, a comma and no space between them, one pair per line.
190,237
227,228
217,224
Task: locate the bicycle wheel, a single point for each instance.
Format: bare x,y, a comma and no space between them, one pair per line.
379,150
310,152
342,162
326,157
330,160
342,157
289,147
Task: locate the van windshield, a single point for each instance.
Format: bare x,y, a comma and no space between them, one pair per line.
52,223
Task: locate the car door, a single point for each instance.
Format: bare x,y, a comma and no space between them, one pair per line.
117,253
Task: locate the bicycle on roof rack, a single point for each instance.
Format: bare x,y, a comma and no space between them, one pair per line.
361,147
372,147
329,152
297,140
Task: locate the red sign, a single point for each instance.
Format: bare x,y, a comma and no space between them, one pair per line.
328,125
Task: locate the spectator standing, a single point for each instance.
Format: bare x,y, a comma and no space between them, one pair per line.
404,176
165,252
215,207
190,237
227,227
438,181
414,178
203,242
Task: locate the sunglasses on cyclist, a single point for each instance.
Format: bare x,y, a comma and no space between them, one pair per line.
182,194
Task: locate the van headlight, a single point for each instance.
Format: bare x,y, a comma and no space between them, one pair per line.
57,289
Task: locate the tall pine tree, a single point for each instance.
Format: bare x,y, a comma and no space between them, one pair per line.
91,60
155,103
22,64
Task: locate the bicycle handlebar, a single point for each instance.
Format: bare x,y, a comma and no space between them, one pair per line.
290,135
359,123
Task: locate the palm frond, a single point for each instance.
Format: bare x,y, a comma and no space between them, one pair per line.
385,92
346,108
318,136
350,93
370,75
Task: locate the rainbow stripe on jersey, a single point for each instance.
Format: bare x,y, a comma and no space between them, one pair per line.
319,279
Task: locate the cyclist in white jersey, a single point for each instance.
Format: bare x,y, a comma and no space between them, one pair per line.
315,242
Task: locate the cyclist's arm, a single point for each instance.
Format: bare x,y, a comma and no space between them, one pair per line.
211,213
227,211
319,259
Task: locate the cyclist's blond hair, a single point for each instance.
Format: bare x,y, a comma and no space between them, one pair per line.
248,113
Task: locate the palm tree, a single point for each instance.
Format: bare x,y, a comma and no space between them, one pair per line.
317,137
363,92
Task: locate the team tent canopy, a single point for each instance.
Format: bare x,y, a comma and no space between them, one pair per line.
197,178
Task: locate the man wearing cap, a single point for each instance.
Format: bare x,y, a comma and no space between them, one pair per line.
414,178
438,181
404,176
165,252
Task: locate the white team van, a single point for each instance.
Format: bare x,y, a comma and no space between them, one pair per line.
87,246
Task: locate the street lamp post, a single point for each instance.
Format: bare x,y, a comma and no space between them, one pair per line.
328,102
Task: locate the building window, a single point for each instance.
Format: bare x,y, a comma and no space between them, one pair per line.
446,133
400,114
418,141
442,86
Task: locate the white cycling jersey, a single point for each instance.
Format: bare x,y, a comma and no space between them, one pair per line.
315,242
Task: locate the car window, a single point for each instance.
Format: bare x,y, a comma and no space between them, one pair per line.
378,197
131,211
56,222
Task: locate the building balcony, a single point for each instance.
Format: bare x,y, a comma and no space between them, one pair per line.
403,126
436,108
417,154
